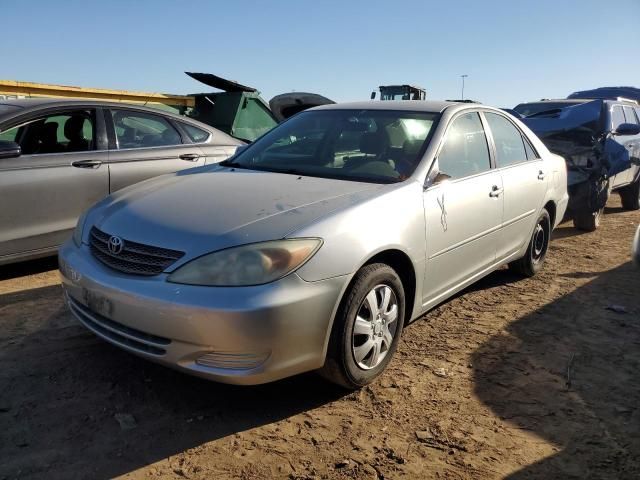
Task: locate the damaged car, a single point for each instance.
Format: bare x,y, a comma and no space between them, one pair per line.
600,141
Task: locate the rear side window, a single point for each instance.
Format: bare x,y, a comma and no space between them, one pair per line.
630,115
465,151
617,117
508,140
197,135
531,152
143,130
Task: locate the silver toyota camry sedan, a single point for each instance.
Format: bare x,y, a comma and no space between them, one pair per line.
313,247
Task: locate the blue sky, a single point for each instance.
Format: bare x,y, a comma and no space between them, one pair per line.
512,51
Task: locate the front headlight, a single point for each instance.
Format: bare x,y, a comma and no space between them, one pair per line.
253,264
77,233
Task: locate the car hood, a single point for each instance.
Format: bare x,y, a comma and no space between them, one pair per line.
203,210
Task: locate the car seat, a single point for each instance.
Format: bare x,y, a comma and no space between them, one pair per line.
48,142
74,131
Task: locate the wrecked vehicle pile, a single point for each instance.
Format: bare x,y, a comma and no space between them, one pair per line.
600,141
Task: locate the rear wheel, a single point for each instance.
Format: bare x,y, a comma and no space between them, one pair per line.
367,328
587,221
630,196
537,250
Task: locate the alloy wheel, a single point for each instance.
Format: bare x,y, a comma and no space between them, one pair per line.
375,327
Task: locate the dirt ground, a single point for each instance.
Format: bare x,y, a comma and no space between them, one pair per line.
513,378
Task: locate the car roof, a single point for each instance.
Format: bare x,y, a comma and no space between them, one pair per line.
28,105
558,100
24,105
431,106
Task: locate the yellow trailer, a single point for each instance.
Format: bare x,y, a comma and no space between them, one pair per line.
15,89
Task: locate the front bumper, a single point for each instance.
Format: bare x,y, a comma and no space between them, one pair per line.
240,335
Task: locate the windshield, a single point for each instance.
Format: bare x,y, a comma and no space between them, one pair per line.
376,146
534,108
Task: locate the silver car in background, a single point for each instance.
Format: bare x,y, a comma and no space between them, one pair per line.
58,157
636,248
314,246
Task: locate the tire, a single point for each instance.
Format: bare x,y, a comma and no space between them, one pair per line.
630,196
533,260
352,361
588,222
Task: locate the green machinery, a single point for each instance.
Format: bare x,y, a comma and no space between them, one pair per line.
238,110
401,92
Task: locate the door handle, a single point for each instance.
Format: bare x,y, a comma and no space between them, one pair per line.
86,164
189,157
495,191
540,175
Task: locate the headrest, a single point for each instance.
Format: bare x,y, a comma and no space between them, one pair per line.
372,143
73,128
50,130
411,147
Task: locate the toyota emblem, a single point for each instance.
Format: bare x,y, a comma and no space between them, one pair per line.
115,245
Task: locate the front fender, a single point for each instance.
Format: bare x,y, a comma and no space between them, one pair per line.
392,220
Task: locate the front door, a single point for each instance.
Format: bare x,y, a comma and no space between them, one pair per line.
59,175
463,213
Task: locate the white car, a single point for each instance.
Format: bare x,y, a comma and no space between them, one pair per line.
636,248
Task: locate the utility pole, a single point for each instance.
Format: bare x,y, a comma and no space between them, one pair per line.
463,77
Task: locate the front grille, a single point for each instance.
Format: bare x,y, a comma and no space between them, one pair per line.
135,258
118,333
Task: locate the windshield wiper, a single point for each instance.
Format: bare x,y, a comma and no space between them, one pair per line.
232,163
290,171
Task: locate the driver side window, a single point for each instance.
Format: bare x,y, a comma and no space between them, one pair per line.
465,151
66,132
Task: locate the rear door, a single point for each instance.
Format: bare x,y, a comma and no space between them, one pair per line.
463,213
62,171
143,145
215,149
524,180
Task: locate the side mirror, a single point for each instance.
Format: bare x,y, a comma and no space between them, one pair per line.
435,178
440,177
373,95
240,149
9,149
627,129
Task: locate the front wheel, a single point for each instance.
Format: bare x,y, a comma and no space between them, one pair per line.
588,221
533,260
367,327
630,196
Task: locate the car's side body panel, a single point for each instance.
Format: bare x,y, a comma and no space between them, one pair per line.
42,196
